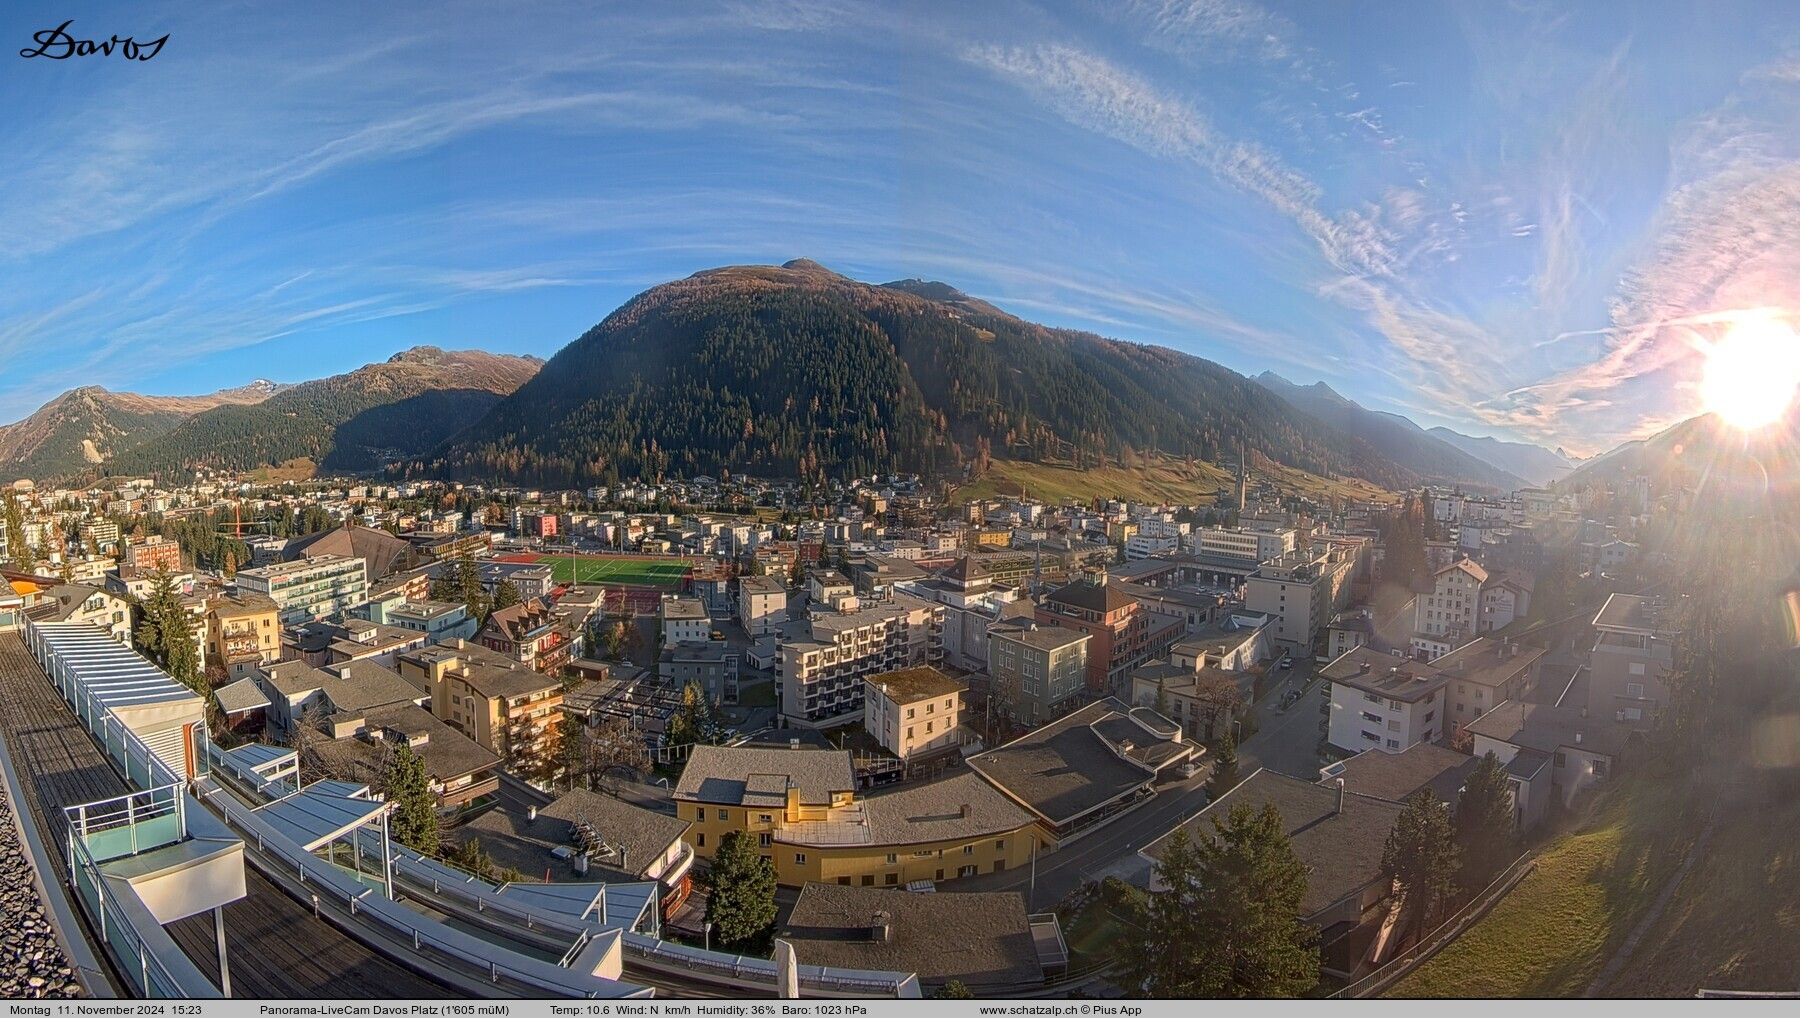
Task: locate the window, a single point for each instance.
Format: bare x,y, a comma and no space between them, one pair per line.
1371,737
799,858
1000,845
700,840
1393,744
844,880
763,839
1637,668
724,814
1562,760
968,849
892,859
892,879
1393,725
911,712
1371,718
1634,690
940,874
868,880
967,871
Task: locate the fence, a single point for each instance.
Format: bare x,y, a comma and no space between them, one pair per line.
1429,944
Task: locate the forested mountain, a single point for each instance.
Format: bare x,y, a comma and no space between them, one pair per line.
402,407
87,426
1414,449
1534,463
799,371
1706,455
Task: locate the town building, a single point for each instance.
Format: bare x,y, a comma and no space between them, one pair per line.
1301,591
684,620
761,604
1551,753
309,590
1338,835
985,941
1087,767
1125,635
914,712
713,665
1036,673
1484,673
822,668
154,554
801,806
1383,701
533,633
1628,671
244,631
507,708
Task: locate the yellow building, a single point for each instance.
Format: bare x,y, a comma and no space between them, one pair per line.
507,708
801,806
243,632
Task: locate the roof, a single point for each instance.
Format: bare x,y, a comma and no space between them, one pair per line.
1217,639
240,697
315,817
1549,729
489,672
965,569
761,585
1090,596
751,776
910,685
518,622
1066,769
515,840
382,552
684,608
953,809
1397,678
291,678
979,938
1466,565
1341,850
1397,776
446,752
1042,637
1632,613
1488,662
244,602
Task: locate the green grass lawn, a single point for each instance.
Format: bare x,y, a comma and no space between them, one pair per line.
667,574
1155,479
1734,922
1551,936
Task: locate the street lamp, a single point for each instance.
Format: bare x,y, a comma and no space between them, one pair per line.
708,928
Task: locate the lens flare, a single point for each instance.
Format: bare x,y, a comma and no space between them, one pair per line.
1752,373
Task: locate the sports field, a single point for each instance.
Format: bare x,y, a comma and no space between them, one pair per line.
613,570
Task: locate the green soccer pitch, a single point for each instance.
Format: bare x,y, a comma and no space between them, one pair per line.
666,574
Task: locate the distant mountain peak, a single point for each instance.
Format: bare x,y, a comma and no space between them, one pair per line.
805,265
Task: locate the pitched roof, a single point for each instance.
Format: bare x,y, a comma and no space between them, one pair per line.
743,775
1397,776
1341,850
240,697
979,938
1467,565
381,551
1090,596
1488,662
1549,729
1397,678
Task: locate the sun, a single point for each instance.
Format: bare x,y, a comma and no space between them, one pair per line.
1752,373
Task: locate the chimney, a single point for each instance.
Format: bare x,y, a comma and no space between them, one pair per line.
964,811
881,928
794,743
531,813
1340,799
1577,738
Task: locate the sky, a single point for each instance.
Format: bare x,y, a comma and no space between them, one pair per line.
1517,219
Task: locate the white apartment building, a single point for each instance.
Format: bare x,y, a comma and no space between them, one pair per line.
1248,546
1141,546
310,589
1465,601
1381,701
913,712
822,671
762,604
684,620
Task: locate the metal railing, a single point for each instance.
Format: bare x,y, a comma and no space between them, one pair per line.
132,812
451,948
121,933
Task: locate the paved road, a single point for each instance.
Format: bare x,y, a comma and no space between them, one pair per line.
1286,741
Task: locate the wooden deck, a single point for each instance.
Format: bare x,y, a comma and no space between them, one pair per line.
277,949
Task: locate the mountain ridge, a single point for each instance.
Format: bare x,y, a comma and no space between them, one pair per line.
1395,437
796,370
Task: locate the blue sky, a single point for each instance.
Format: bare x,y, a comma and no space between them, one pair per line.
1512,219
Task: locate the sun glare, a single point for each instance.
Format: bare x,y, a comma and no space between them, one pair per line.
1752,373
